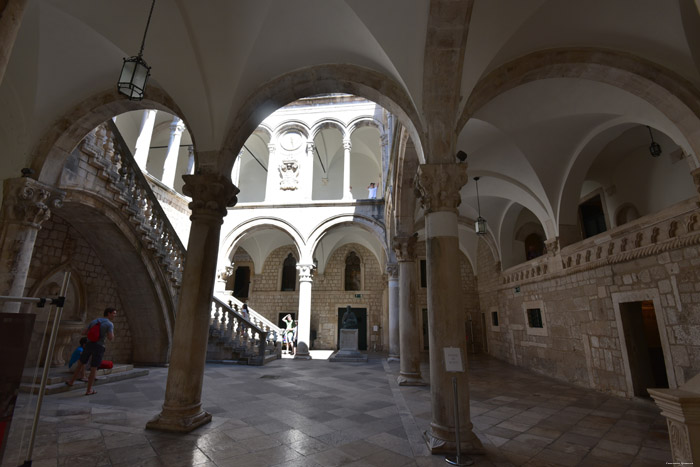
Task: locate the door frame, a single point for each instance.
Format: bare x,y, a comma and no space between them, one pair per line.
640,296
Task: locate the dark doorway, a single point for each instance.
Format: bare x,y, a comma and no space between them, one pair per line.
426,336
646,356
361,315
241,282
592,217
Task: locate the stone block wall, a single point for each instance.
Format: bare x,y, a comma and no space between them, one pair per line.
583,340
327,294
59,247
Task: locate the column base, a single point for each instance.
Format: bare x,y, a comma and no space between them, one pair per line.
179,420
437,445
302,352
410,379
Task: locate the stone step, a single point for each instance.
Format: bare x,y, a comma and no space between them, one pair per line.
61,374
103,378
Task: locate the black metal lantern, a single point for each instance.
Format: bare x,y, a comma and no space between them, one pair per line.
480,224
135,70
654,147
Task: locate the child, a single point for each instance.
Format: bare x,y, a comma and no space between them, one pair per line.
75,356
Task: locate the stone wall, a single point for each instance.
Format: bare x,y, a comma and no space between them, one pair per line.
327,294
59,247
582,340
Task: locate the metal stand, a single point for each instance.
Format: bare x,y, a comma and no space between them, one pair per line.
58,303
458,459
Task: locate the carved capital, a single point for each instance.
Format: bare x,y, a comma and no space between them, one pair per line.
552,246
305,272
29,202
347,144
310,146
437,186
392,270
405,247
211,194
177,126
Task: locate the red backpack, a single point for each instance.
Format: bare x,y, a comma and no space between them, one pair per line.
93,333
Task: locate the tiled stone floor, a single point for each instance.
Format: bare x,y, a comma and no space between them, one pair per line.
318,413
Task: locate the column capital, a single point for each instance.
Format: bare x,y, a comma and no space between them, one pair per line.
552,246
29,202
177,126
310,146
347,144
305,272
438,185
392,270
211,194
405,247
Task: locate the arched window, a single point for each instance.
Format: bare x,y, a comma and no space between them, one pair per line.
353,272
534,246
289,273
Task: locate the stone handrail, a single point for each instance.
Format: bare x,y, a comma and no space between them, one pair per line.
255,317
674,227
109,154
233,330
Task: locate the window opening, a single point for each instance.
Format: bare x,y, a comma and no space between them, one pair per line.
534,318
289,274
494,318
592,217
353,272
423,274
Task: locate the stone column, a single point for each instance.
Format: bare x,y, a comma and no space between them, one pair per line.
347,145
304,320
171,159
236,171
182,408
307,172
439,185
143,142
26,204
11,12
190,160
404,247
392,270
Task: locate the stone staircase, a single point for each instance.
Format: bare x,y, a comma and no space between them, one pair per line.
233,338
56,382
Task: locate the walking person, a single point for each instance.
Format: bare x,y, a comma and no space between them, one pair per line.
95,350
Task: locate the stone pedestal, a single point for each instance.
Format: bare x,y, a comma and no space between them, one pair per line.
439,186
26,204
348,349
182,408
404,247
681,407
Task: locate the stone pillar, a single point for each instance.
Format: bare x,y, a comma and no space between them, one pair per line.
236,171
304,320
171,159
182,408
143,142
394,336
439,185
307,172
347,145
11,12
404,247
681,407
26,204
190,160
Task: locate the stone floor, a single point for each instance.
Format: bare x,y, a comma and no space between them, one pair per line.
318,413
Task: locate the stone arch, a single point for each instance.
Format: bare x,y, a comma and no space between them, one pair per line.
626,212
665,90
286,126
320,79
366,223
240,232
326,124
57,143
361,122
141,284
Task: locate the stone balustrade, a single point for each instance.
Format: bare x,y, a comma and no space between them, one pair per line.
108,153
232,336
674,227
